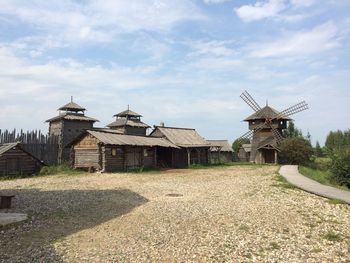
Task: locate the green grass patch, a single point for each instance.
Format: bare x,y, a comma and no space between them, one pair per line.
321,176
336,202
59,169
332,236
283,183
274,245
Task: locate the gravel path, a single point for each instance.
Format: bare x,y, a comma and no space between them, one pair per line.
291,173
233,214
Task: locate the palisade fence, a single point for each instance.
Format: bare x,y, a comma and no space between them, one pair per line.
43,147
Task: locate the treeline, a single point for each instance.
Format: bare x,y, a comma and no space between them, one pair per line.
338,141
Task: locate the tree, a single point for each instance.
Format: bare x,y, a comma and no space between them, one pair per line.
295,150
318,150
340,168
238,143
292,131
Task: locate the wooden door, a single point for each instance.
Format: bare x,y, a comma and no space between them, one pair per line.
133,158
13,166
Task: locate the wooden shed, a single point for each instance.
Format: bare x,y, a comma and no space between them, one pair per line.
244,152
110,151
220,151
14,160
192,148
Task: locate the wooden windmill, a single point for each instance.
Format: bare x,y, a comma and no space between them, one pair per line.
265,129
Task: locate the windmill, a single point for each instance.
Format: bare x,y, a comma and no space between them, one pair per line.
265,128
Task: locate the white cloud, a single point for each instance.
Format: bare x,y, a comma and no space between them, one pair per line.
302,3
320,38
214,47
72,21
209,2
260,10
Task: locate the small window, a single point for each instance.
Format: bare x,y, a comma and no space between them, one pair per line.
114,152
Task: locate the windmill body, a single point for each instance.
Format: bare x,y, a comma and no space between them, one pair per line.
265,129
264,145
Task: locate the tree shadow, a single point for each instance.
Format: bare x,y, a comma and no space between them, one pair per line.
54,215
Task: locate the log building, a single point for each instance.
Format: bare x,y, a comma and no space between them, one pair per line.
220,151
14,160
70,123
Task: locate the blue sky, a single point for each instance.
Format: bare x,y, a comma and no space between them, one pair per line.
181,62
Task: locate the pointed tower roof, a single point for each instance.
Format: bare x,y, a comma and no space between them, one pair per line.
266,113
127,112
72,106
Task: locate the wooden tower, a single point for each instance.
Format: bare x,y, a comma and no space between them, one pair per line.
129,122
265,129
69,124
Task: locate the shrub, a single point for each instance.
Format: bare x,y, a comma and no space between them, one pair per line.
295,150
340,168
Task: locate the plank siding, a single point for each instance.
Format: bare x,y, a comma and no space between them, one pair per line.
17,162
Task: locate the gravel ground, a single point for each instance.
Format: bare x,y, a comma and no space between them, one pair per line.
232,214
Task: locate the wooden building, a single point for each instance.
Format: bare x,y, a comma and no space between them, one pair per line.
129,122
14,160
192,148
70,123
110,151
244,152
220,151
264,148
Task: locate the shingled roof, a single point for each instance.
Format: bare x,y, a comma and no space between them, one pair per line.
265,113
72,116
72,106
225,146
127,112
182,137
127,122
111,138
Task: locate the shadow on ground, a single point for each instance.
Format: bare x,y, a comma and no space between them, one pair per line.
57,214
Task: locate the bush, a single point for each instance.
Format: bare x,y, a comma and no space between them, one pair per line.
340,168
295,150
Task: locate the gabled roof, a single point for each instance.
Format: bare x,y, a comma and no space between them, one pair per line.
247,147
8,146
125,122
128,112
72,106
111,138
265,113
225,146
72,116
270,142
183,137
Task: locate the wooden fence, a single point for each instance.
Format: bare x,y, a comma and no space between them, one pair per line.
43,147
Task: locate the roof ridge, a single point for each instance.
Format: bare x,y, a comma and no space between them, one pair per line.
169,127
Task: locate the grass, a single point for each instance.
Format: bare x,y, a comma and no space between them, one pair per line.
332,236
223,165
283,183
321,176
336,201
59,169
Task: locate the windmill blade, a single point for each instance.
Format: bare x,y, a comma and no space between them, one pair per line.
277,135
250,101
301,106
249,134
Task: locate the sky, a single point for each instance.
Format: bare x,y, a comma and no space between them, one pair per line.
181,62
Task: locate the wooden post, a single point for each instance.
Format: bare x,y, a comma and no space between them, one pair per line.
276,161
188,157
199,155
155,157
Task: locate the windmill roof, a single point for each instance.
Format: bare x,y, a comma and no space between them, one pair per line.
127,113
125,122
72,106
72,117
264,113
111,138
183,137
225,146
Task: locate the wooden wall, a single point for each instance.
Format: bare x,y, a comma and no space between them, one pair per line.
225,157
18,162
87,153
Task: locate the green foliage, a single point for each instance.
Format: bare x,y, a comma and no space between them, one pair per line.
292,131
238,143
318,150
295,150
340,168
58,169
338,141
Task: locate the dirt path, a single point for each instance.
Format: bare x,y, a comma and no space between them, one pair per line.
291,173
